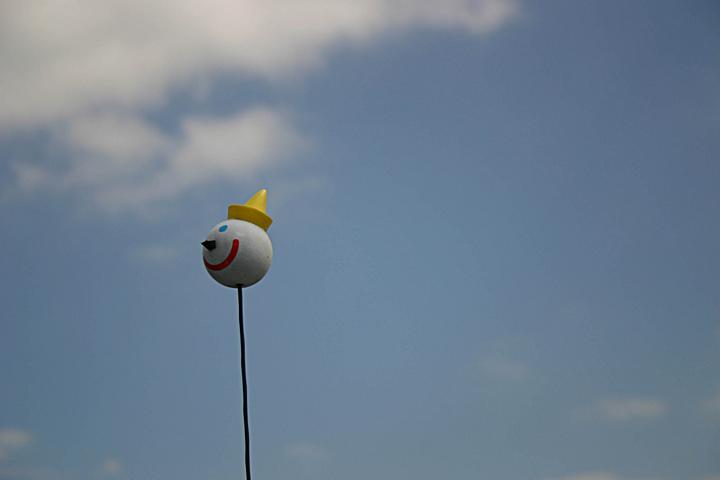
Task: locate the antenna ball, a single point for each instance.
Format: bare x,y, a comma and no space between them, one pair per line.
237,253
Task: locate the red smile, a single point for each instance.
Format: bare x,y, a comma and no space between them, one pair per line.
228,260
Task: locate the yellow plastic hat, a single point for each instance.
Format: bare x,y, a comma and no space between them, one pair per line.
253,211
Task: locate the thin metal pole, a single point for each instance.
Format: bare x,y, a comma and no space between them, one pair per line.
244,383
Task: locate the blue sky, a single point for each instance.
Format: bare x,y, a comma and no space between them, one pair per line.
496,239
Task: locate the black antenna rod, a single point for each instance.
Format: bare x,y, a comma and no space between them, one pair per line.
244,383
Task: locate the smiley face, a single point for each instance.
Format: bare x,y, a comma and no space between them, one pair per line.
237,253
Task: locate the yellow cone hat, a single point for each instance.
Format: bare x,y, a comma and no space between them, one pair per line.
253,211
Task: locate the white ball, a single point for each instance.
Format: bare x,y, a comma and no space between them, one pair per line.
237,253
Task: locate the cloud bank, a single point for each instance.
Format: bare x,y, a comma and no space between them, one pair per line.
60,59
12,440
90,72
620,409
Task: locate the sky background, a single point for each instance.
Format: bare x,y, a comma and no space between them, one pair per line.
496,239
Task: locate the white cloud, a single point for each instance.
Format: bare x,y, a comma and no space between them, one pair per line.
89,71
121,162
115,137
111,467
233,147
631,408
12,440
307,452
103,148
60,59
504,369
